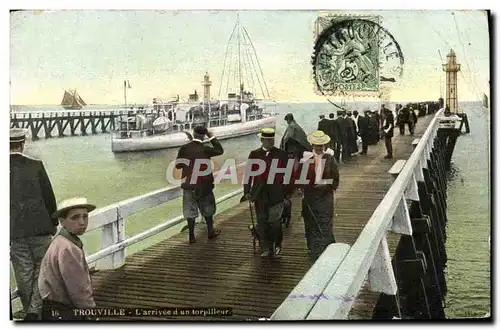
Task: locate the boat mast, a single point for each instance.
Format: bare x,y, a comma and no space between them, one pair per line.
239,55
125,92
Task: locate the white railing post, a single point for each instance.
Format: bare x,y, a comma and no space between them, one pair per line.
381,275
412,190
113,233
415,143
401,222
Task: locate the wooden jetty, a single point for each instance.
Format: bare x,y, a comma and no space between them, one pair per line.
70,123
387,262
226,273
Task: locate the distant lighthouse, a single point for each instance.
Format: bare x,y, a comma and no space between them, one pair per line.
451,68
206,88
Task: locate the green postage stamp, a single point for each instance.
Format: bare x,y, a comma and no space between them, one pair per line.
354,54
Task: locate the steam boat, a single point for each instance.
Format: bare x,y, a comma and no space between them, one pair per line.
169,124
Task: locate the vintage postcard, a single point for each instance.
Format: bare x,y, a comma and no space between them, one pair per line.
243,165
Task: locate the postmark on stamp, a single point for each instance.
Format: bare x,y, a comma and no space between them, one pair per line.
355,55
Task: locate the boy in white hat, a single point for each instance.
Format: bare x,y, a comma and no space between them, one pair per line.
64,280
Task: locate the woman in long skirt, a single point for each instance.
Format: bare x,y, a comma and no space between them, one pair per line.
317,199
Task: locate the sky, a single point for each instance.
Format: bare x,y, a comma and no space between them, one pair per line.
165,53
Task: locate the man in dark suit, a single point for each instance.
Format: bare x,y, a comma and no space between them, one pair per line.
379,119
352,134
32,202
335,139
412,121
364,133
388,128
197,189
343,126
268,195
324,125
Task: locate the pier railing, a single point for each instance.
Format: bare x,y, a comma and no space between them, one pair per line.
339,274
111,221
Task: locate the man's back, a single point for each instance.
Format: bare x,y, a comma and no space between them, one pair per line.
196,150
324,125
32,199
342,126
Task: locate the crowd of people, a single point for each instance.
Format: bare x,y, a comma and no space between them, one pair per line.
50,266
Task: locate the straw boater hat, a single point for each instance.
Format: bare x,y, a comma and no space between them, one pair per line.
318,138
73,203
18,134
267,133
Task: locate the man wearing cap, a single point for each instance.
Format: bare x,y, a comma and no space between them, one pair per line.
197,189
268,195
32,202
64,279
317,201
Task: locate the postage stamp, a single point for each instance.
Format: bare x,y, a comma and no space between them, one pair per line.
354,54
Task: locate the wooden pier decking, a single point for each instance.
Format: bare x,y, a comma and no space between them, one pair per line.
226,273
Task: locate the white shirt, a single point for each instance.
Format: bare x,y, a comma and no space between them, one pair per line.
356,122
318,162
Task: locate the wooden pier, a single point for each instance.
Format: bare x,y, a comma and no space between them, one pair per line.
226,273
388,260
63,123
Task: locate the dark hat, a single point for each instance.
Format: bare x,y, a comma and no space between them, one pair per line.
332,115
289,116
349,113
202,130
18,134
267,133
340,113
321,116
355,112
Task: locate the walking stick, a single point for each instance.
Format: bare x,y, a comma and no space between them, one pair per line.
252,228
314,218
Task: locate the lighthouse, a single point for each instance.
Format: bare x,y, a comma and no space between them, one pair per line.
451,68
206,88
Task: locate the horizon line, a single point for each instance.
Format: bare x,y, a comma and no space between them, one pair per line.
277,101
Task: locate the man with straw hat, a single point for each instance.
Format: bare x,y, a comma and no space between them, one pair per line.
322,177
64,280
32,201
268,195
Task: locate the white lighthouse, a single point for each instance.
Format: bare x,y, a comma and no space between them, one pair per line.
206,88
451,68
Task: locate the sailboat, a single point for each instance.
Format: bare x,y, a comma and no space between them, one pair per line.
72,100
238,110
